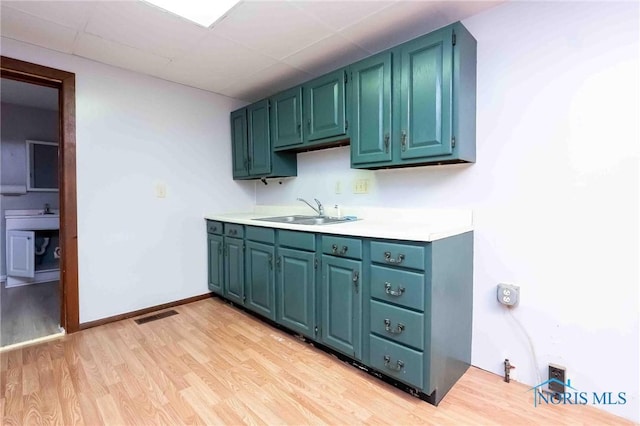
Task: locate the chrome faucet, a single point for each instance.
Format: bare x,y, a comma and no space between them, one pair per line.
319,210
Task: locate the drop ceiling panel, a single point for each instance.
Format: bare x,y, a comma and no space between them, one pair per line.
276,29
265,83
395,24
24,27
144,27
327,55
225,56
194,76
459,10
71,14
340,14
110,52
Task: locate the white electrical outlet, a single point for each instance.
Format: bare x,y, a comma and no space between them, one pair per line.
508,294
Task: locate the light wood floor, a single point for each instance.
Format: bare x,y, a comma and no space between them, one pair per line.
213,364
29,312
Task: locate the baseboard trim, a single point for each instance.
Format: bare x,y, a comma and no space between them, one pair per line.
144,311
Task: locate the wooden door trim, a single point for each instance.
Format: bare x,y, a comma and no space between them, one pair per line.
66,83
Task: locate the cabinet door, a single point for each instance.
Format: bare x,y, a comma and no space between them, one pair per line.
296,290
371,110
342,305
214,252
239,143
324,106
426,104
260,278
234,269
259,139
21,254
286,118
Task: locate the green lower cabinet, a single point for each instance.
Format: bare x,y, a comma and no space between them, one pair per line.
260,278
342,305
296,290
216,265
234,269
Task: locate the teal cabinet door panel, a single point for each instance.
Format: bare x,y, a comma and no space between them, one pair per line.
234,269
240,164
342,305
324,106
286,118
260,278
259,138
426,96
296,290
216,269
371,110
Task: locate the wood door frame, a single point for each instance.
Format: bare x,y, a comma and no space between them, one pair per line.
65,82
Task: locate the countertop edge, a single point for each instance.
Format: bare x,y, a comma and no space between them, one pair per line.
367,228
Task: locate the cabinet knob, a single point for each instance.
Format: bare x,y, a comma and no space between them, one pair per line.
403,140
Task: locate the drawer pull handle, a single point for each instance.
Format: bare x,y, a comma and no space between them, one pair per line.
389,259
233,232
342,252
387,289
356,277
387,363
387,327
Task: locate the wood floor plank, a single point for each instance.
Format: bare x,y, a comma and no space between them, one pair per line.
212,364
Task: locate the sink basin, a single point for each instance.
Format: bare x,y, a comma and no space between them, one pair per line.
304,220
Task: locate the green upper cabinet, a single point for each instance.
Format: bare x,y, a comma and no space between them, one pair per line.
425,96
252,154
286,118
432,104
239,144
371,109
325,107
259,139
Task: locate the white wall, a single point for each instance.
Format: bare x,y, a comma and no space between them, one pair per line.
554,191
132,132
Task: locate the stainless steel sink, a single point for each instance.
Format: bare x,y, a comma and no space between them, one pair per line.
304,220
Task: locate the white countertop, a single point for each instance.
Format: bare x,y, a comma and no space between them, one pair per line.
397,224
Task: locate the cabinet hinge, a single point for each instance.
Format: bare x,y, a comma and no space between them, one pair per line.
453,142
453,39
346,77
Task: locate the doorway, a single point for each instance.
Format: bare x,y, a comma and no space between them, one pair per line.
64,83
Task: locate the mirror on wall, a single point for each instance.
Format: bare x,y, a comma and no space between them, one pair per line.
42,166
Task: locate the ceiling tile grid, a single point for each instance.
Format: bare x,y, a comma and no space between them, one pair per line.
257,49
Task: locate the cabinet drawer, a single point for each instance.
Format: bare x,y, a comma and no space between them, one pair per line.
397,324
397,361
299,240
233,230
405,255
343,247
397,286
214,227
263,235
